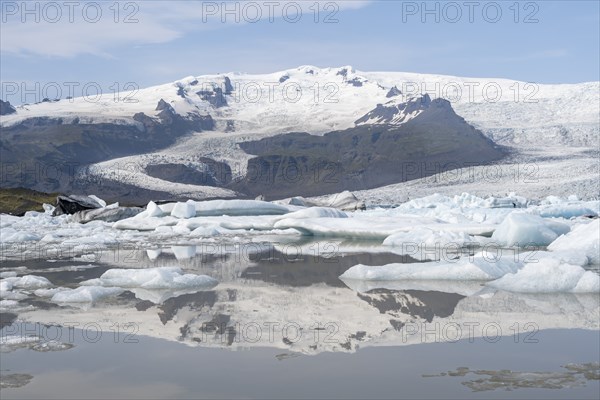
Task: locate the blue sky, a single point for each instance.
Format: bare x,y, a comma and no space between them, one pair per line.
170,40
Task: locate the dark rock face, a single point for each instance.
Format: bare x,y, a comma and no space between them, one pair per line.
215,97
227,86
394,91
367,156
195,301
50,165
73,204
425,305
6,319
342,72
166,112
6,108
163,105
355,82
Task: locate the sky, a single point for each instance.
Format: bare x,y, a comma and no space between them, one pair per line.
113,44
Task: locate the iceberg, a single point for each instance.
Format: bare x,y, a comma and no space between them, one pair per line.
24,282
151,278
85,294
145,224
184,210
521,229
483,266
238,208
566,211
373,227
428,238
184,252
583,239
548,276
315,212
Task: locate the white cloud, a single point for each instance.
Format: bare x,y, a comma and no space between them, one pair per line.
74,33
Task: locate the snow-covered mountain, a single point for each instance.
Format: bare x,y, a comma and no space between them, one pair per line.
194,126
318,100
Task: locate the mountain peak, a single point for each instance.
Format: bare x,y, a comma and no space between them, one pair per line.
6,108
397,111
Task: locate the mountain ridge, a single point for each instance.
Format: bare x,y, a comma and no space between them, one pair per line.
197,126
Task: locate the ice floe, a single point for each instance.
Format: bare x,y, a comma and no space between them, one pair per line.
427,237
145,224
184,210
49,292
239,207
9,343
583,239
522,229
482,266
548,276
151,278
85,294
24,282
315,212
373,227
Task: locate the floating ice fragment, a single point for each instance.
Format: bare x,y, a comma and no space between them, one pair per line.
25,282
49,292
521,229
184,210
151,279
315,212
153,253
483,266
239,207
184,252
427,237
85,294
549,276
583,239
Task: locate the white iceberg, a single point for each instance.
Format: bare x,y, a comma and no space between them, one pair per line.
152,210
315,212
205,231
483,266
548,276
85,294
145,224
11,235
151,278
373,227
521,229
238,207
184,252
184,210
25,282
153,253
566,211
427,237
583,239
49,292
